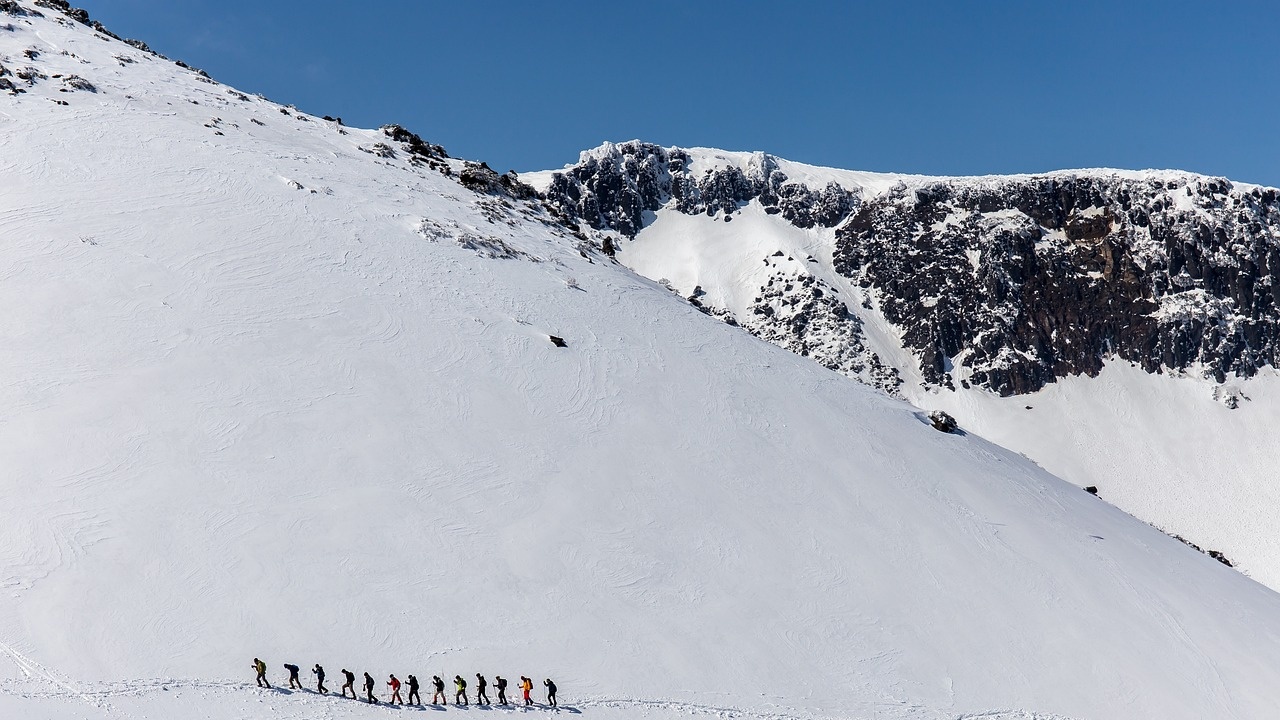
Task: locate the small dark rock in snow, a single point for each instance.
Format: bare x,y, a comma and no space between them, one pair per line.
75,82
1092,490
942,421
557,341
1220,558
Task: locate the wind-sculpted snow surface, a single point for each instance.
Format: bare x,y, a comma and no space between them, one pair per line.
269,390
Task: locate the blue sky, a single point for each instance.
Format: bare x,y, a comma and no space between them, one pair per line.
928,87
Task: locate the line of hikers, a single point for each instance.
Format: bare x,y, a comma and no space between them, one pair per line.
439,698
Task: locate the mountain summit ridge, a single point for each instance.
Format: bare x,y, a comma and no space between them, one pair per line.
1030,278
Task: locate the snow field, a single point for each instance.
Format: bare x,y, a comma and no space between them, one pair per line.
244,419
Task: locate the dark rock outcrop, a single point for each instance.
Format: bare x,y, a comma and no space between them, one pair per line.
1022,281
11,7
64,7
1005,283
613,186
481,178
414,144
943,422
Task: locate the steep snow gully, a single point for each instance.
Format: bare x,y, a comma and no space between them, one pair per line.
277,387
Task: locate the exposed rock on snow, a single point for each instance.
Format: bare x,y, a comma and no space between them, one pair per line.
1039,278
1007,283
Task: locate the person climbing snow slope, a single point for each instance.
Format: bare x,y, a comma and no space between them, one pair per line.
295,683
439,697
526,685
414,697
482,698
261,669
395,690
551,692
350,684
368,688
462,691
501,683
319,673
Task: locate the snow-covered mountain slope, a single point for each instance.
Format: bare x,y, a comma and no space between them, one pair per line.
273,387
951,292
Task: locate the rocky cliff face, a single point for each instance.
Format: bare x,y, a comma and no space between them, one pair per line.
1006,283
614,185
1026,280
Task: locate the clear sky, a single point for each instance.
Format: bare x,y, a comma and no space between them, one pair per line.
938,87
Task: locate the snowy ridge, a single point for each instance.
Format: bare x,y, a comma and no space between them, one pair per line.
272,390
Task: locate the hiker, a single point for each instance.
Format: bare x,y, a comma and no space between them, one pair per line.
462,690
482,698
261,669
319,673
395,690
413,690
368,688
501,683
350,684
527,686
439,696
293,676
551,692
